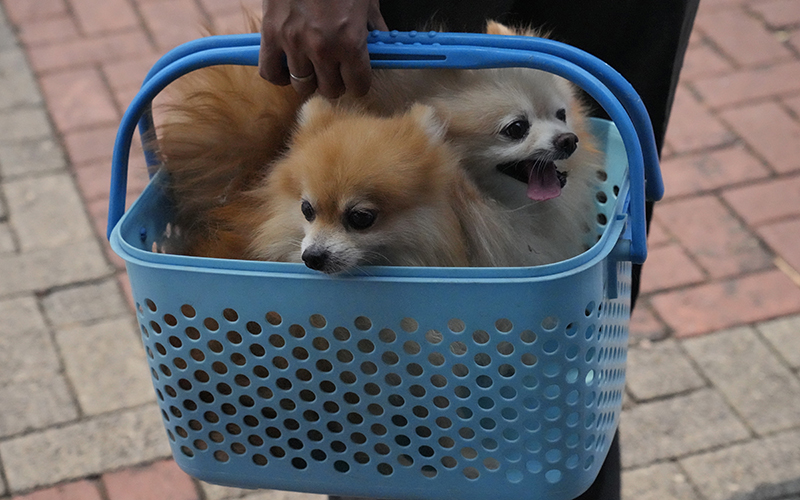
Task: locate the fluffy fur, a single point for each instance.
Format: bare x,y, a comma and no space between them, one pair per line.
523,138
355,189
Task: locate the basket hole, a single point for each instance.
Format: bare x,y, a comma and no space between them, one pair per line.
365,346
201,376
378,429
387,336
409,325
361,457
602,197
417,391
317,321
363,323
482,359
491,463
471,473
449,462
402,440
238,448
341,334
221,456
434,337
188,311
230,315
412,348
444,422
193,333
344,356
505,348
460,370
161,349
324,365
503,325
253,327
506,371
297,331
320,344
414,369
446,442
215,346
219,367
589,309
165,370
480,337
456,325
150,304
405,460
259,459
385,469
234,337
458,348
348,377
170,320
393,379
277,452
331,407
280,363
155,327
369,368
211,324
338,447
187,451
273,318
390,358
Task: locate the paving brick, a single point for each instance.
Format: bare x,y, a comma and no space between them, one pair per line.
669,266
91,446
87,51
692,127
39,270
777,13
163,479
703,60
87,146
94,178
766,201
26,349
758,470
750,84
660,369
128,73
30,157
79,490
24,10
645,326
714,306
46,211
784,239
770,131
217,492
750,377
106,363
657,235
173,22
53,30
709,170
19,86
784,336
713,236
664,481
84,303
20,124
676,427
98,16
8,41
215,7
35,404
742,37
78,99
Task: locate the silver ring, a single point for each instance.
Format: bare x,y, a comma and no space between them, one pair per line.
302,79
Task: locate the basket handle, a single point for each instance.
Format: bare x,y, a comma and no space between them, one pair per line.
430,50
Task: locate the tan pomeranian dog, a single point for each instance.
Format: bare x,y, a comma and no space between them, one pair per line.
354,189
523,138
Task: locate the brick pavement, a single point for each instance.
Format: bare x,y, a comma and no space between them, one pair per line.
712,408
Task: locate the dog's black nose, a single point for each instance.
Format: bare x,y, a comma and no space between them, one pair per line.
566,143
315,258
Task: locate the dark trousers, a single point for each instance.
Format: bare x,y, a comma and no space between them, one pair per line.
645,40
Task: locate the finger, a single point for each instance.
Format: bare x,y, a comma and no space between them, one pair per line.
357,74
329,78
270,60
302,74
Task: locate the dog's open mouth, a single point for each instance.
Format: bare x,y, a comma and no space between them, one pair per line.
543,178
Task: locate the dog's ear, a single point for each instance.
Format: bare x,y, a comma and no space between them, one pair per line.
426,117
316,113
495,28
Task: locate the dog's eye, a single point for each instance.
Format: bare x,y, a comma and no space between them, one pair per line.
516,130
360,219
308,211
561,114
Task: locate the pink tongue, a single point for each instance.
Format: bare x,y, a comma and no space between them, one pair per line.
543,183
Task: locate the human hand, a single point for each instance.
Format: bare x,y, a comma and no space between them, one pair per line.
325,42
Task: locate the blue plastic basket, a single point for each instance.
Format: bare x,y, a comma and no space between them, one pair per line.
429,383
